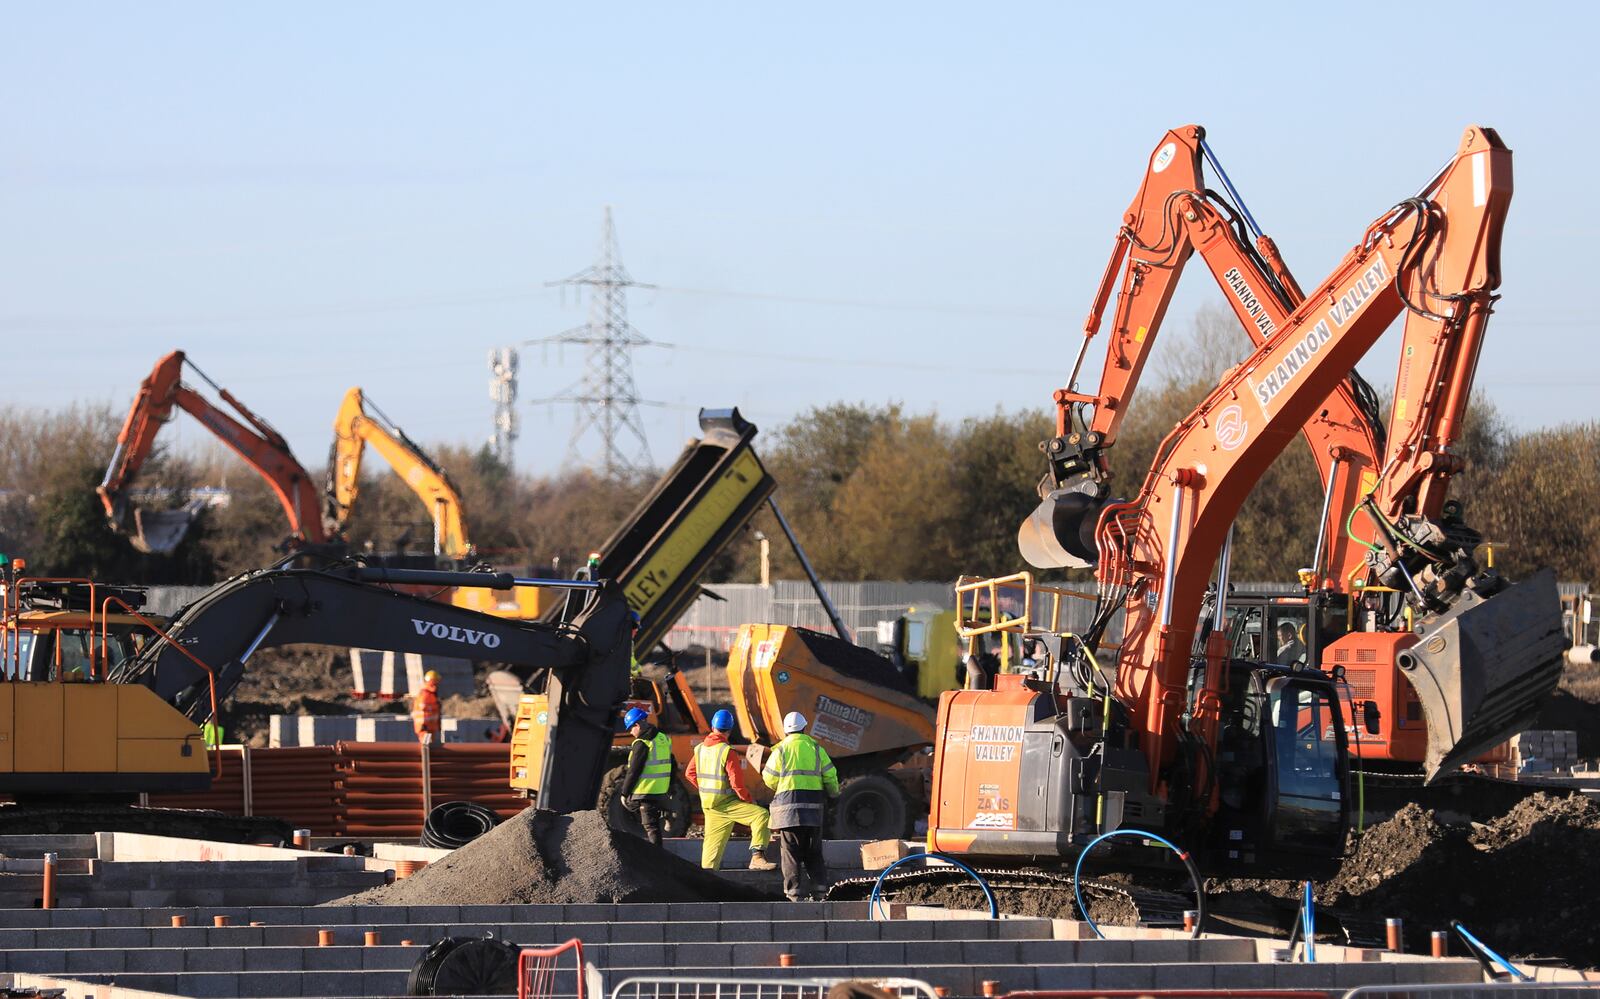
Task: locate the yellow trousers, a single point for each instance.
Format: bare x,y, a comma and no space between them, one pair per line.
720,820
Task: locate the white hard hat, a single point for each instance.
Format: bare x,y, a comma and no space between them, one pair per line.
793,722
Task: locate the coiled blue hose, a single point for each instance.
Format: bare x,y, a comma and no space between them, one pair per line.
877,886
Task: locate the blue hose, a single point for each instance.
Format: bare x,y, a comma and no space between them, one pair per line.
1183,855
877,886
1517,973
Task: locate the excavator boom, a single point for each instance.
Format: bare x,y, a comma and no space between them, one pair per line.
354,428
255,441
209,645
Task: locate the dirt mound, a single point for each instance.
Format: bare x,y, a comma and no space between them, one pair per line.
1106,909
542,857
1521,881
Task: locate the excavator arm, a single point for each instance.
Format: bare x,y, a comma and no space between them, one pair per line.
255,441
1439,249
1173,216
353,429
209,645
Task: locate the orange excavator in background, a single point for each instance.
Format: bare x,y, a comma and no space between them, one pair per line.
1173,216
1244,762
261,447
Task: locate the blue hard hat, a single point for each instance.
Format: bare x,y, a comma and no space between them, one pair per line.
634,617
722,721
634,717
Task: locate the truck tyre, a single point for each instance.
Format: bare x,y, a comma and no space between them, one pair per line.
870,806
618,817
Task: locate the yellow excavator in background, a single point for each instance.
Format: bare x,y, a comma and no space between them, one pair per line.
359,423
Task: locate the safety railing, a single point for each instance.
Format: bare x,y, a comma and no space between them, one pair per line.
979,605
759,988
11,612
539,971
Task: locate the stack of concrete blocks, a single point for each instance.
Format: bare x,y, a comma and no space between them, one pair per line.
325,730
399,674
1545,750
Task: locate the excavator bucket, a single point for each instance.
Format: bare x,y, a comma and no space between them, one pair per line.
158,532
1060,531
1482,668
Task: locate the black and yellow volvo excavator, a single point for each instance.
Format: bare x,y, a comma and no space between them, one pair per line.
131,723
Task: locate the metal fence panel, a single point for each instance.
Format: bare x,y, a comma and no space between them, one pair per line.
758,988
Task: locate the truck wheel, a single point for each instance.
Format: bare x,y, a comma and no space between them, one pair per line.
870,806
618,817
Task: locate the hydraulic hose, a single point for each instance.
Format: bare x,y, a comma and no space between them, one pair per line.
877,886
1183,855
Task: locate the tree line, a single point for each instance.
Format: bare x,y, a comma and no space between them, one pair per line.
874,491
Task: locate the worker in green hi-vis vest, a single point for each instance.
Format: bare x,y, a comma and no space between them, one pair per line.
648,782
211,732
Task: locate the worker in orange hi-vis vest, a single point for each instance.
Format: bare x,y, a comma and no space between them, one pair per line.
425,709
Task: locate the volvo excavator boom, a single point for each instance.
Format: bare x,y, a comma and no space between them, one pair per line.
254,440
359,423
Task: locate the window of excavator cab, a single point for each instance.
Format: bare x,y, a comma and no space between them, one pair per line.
1244,631
74,659
1288,626
17,655
1305,742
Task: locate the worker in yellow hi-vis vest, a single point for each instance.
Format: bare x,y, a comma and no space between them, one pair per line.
718,774
649,777
799,770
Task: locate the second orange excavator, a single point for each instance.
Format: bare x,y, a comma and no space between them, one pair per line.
254,440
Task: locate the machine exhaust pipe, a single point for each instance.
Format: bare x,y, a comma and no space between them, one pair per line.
1483,668
1060,533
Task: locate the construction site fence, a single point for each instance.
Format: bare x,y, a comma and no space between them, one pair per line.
757,988
364,790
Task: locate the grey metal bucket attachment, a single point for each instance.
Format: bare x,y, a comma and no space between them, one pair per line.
158,532
1060,533
1482,669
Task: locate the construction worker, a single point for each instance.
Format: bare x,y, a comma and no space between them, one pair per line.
649,777
724,800
211,732
425,709
801,773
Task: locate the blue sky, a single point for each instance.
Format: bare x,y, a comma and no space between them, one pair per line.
307,197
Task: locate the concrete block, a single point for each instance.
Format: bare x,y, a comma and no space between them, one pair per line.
742,931
1023,929
270,983
1184,976
120,936
901,930
606,912
62,939
153,898
342,958
433,914
156,959
709,954
15,940
797,931
891,952
1351,976
103,961
1065,976
637,933
77,917
149,982
1122,976
1258,976
39,962
641,955
288,936
855,929
389,958
993,952
206,986
273,959
698,932
213,959
276,915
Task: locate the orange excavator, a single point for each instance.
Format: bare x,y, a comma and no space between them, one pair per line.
1174,216
1245,763
254,440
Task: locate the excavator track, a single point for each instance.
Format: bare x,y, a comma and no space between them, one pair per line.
1155,907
